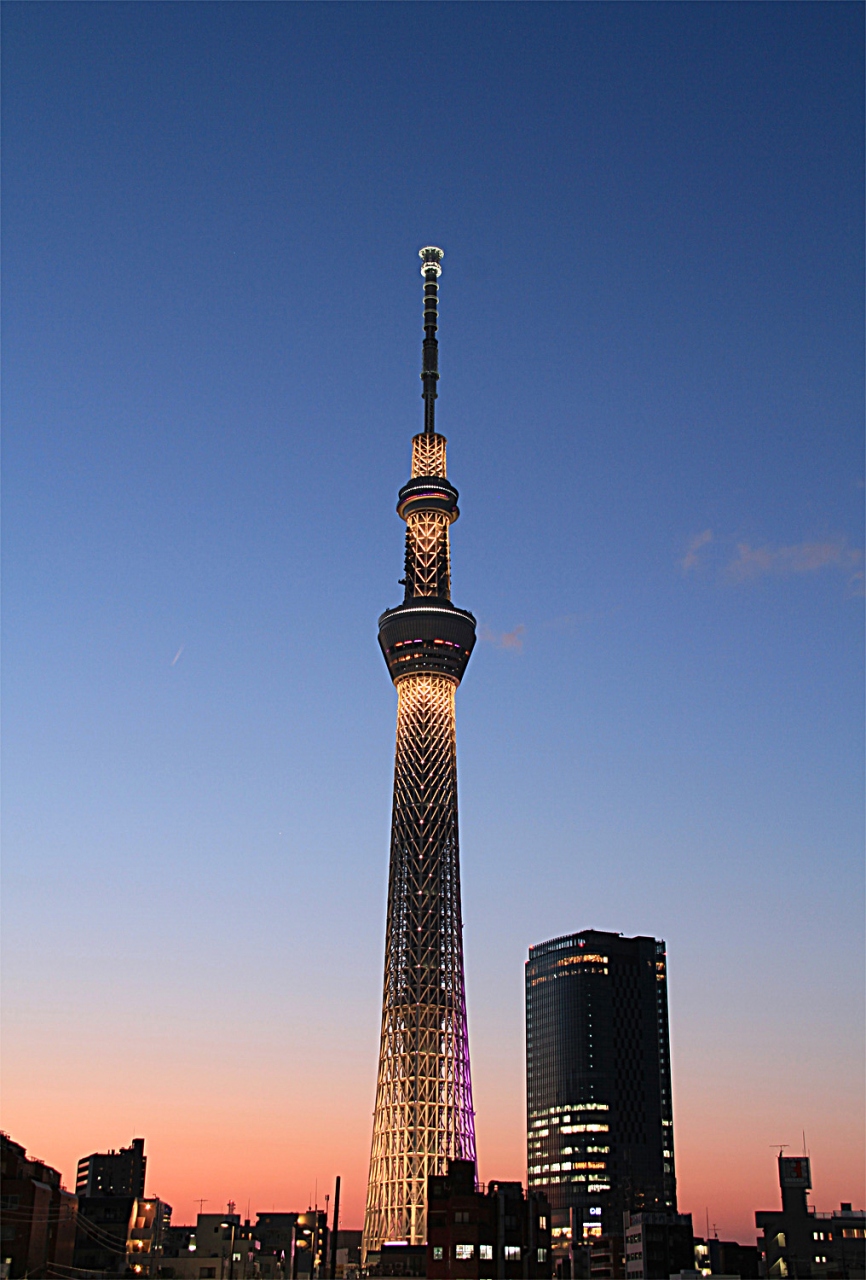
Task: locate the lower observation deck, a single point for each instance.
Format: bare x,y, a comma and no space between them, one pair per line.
427,634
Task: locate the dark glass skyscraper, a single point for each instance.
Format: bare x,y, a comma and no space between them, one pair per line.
600,1136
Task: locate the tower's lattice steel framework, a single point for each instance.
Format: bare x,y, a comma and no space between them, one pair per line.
423,1112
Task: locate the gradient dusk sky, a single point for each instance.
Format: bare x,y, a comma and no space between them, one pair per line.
652,386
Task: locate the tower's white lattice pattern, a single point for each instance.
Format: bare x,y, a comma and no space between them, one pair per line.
428,561
423,1113
428,455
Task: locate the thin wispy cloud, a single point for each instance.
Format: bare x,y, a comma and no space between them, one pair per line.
693,548
786,561
512,640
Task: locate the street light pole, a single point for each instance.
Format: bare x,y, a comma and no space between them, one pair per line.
233,1225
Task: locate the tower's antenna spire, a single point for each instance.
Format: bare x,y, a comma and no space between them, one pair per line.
430,257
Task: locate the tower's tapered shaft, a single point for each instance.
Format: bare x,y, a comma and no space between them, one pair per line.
423,1113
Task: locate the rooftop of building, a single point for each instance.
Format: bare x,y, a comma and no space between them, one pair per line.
587,937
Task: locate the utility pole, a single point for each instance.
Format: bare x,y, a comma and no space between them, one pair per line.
232,1243
335,1231
314,1243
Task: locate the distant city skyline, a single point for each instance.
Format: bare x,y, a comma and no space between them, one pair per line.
653,224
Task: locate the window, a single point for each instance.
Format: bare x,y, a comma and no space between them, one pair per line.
512,1253
542,1255
463,1252
485,1252
437,1253
542,1223
207,1273
461,1216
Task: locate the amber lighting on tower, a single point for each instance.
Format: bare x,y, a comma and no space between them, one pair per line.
423,1114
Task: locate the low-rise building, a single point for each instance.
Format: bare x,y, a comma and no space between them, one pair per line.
120,1235
176,1241
348,1254
658,1245
37,1231
397,1258
800,1243
219,1247
275,1233
311,1244
714,1257
606,1257
475,1232
697,1275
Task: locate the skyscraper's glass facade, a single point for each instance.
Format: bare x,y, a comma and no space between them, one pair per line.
598,1078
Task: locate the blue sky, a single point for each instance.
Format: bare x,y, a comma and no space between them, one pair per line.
652,386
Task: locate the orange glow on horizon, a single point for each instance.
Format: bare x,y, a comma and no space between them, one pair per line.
220,1145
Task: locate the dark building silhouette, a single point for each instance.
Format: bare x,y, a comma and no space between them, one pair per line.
120,1230
397,1258
113,1173
37,1215
727,1258
277,1247
805,1245
473,1232
104,1224
176,1243
121,1235
225,1248
598,1077
219,1247
311,1249
275,1233
603,1258
658,1245
348,1253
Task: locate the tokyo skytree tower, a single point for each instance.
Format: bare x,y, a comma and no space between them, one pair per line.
423,1113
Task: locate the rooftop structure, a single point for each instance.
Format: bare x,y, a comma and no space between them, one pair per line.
802,1244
